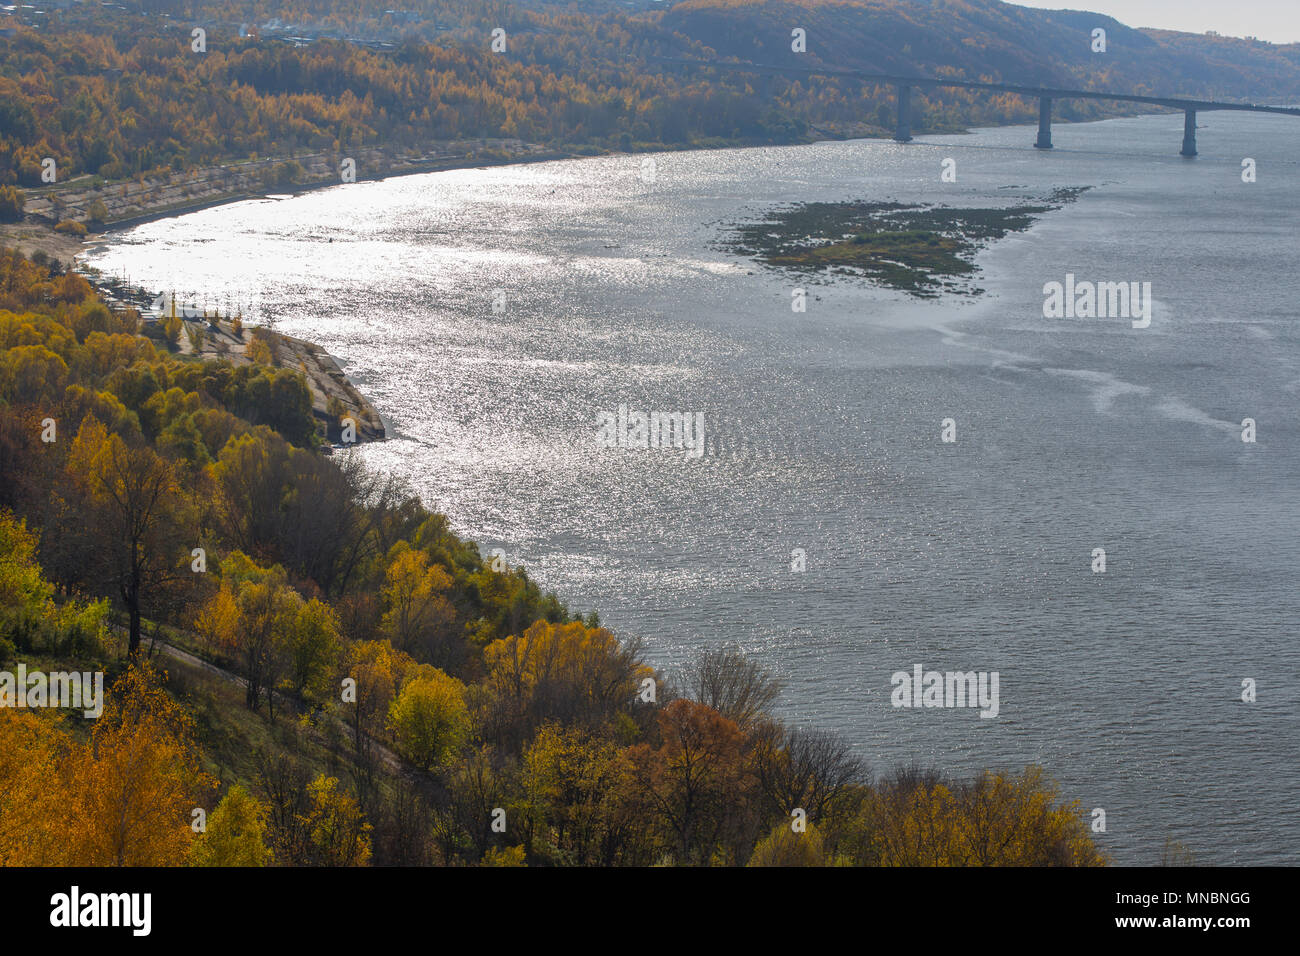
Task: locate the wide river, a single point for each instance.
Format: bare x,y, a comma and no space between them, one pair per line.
491,314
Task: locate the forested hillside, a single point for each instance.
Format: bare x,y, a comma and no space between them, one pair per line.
120,93
348,682
988,39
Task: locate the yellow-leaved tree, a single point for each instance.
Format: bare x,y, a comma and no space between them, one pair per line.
428,718
35,770
577,802
123,798
137,519
235,834
995,820
138,781
571,673
786,847
336,828
280,640
418,618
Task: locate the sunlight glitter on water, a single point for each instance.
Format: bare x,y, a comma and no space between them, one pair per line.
822,431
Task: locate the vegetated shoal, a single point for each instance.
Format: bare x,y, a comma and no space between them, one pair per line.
921,249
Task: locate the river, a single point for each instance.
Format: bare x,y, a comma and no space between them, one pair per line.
491,314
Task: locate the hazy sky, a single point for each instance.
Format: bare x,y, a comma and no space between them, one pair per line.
1276,20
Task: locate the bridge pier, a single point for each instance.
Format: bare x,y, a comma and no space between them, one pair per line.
1189,133
903,131
1044,140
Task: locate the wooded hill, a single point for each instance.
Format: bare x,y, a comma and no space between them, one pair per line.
120,94
991,40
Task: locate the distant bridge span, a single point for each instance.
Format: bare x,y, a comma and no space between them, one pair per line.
903,88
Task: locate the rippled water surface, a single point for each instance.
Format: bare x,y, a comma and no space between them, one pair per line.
823,433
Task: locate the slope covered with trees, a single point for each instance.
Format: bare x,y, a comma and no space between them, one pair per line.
123,94
991,40
349,683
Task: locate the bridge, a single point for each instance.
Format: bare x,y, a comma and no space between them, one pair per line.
903,86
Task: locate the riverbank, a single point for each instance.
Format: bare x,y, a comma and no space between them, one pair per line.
102,206
35,235
334,399
147,198
113,207
123,205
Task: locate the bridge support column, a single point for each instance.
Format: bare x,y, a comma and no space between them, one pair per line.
1044,140
903,132
1189,133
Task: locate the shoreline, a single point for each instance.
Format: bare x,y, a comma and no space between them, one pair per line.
38,229
328,383
299,189
323,372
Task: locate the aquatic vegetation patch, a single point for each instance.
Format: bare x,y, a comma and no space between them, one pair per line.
921,249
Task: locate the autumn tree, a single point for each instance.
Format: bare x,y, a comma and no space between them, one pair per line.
11,204
97,214
698,783
26,598
509,601
31,373
312,821
922,819
429,719
35,785
282,642
217,621
376,670
419,617
138,517
235,834
477,784
172,325
575,798
787,847
569,673
314,647
251,474
337,831
256,615
373,676
30,619
138,779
